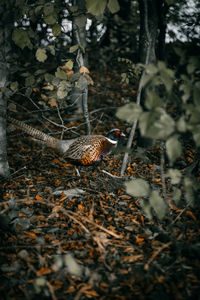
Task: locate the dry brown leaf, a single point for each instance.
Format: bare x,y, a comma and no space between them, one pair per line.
43,271
32,234
139,240
44,97
90,81
70,73
38,198
48,88
133,258
191,215
52,102
84,70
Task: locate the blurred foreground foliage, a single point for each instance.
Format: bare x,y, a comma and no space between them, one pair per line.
169,116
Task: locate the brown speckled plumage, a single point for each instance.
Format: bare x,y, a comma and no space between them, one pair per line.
85,149
89,149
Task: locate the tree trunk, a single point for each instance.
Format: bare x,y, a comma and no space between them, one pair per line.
147,44
5,50
149,11
79,95
162,11
4,167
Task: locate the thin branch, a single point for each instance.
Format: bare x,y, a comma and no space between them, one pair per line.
85,110
155,254
162,164
182,211
109,174
102,228
51,290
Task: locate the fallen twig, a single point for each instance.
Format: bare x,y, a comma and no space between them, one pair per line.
155,254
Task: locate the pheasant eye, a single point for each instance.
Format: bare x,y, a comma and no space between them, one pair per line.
118,132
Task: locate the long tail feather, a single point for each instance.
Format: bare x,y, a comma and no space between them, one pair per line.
35,133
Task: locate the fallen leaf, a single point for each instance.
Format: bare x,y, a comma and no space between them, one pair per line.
84,70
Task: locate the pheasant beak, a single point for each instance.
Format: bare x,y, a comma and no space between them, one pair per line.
122,134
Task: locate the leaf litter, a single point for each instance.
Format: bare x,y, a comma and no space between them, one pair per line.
84,237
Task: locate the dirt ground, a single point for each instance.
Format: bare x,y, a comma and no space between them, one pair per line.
70,232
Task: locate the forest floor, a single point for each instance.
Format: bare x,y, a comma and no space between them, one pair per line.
68,234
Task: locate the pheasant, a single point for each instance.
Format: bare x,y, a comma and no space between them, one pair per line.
85,149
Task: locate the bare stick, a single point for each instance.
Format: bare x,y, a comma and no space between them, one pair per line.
155,254
85,110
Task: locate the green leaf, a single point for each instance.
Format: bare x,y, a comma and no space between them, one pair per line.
28,91
48,77
129,112
146,208
161,65
176,195
137,188
72,266
52,49
167,80
196,93
181,124
30,80
41,54
146,79
158,204
73,48
175,175
56,29
14,86
173,148
146,121
170,73
69,64
50,20
113,6
165,125
153,100
124,77
21,38
186,87
96,7
48,9
39,284
39,72
38,9
196,134
190,68
62,91
193,64
156,124
195,116
151,69
61,74
166,75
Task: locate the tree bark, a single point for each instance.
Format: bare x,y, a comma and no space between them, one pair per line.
149,11
80,94
4,166
5,50
139,92
162,11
